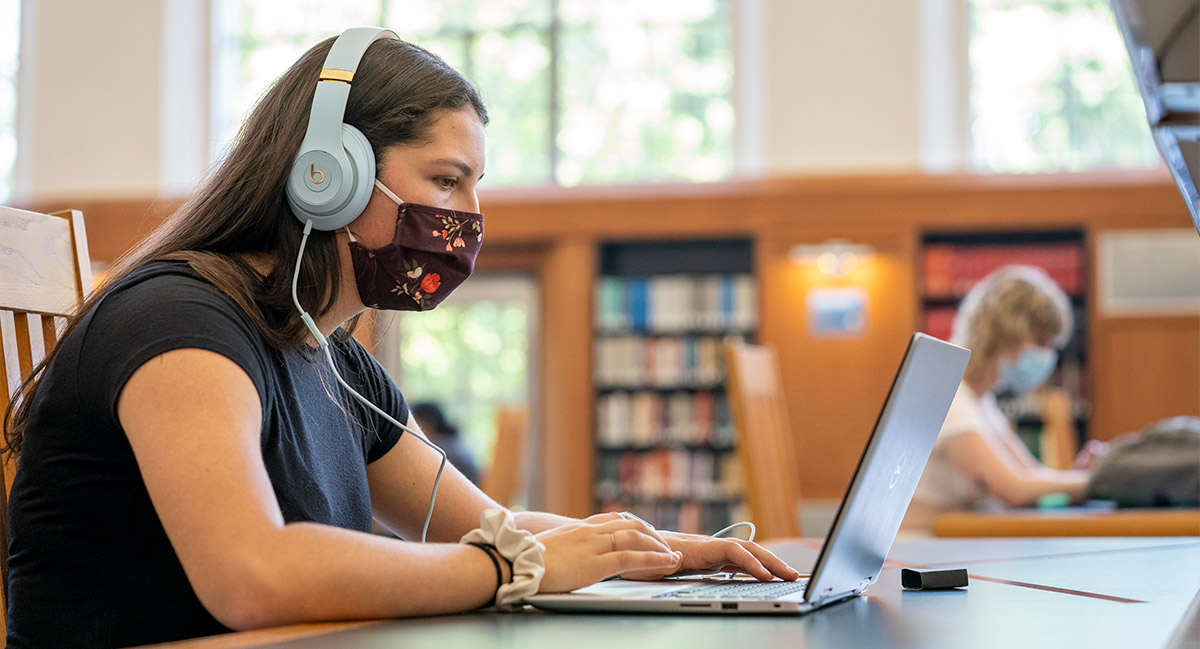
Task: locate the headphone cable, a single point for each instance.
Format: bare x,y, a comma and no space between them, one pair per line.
324,345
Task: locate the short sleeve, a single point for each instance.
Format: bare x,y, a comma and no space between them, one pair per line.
155,311
963,417
366,375
943,484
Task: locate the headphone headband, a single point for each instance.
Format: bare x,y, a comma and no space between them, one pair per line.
334,169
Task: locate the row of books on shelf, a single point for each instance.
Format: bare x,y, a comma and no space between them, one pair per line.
645,418
950,270
938,321
668,474
659,361
690,516
673,303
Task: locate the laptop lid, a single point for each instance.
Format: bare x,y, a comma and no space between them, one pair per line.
888,470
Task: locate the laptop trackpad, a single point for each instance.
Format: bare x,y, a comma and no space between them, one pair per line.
629,588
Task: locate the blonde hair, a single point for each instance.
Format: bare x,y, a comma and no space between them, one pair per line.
1009,306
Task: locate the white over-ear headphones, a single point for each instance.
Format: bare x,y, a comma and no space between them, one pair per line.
334,170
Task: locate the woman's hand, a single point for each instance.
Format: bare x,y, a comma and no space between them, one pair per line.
1090,455
704,554
582,553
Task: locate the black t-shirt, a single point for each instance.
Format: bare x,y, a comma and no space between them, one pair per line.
90,564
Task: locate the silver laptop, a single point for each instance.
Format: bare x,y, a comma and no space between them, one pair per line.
862,532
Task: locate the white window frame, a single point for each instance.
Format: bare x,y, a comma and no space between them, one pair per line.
944,107
23,126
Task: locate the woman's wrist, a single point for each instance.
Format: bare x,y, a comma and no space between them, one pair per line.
501,565
519,548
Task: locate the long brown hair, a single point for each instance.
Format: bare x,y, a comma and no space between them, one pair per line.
1012,304
241,211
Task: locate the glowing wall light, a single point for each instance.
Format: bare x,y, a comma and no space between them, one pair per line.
835,258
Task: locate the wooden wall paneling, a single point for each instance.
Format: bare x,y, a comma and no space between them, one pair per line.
969,201
114,226
1143,369
507,256
568,465
835,386
524,216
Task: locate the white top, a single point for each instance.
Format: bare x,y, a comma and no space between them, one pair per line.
942,484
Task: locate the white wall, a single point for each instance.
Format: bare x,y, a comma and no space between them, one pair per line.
842,85
110,116
95,78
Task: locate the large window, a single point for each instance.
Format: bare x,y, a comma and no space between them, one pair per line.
579,91
10,36
1051,89
471,355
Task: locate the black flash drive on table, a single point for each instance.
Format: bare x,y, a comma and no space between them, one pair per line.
932,579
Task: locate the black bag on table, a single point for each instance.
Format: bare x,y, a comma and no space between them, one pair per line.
1157,467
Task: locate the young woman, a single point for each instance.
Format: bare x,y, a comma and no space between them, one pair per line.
189,462
1013,321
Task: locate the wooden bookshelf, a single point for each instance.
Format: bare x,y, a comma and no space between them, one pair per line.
664,438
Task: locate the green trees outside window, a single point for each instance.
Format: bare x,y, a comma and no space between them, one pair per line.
619,91
1051,89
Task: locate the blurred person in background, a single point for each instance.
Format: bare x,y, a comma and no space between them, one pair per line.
1014,321
439,429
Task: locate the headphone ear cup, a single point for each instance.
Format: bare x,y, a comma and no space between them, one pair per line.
362,173
347,181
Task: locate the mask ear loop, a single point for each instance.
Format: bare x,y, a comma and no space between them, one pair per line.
387,192
323,343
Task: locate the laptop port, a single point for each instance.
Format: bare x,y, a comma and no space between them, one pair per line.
728,606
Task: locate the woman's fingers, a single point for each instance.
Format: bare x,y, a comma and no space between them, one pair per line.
767,559
581,556
622,540
601,546
612,517
704,553
631,531
755,560
604,545
736,557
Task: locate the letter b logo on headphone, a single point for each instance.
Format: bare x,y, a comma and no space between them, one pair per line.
318,172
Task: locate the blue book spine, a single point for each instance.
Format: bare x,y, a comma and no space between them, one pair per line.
638,291
727,300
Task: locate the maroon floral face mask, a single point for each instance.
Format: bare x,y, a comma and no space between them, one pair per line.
432,252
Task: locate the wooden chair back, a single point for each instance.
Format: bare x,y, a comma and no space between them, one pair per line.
502,479
1060,436
765,446
45,274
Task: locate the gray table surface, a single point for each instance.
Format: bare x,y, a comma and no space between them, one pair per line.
1024,593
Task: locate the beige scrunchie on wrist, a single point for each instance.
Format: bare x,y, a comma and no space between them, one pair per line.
498,528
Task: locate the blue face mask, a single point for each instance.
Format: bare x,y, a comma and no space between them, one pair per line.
1030,370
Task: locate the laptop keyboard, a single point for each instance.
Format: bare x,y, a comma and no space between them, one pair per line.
739,589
